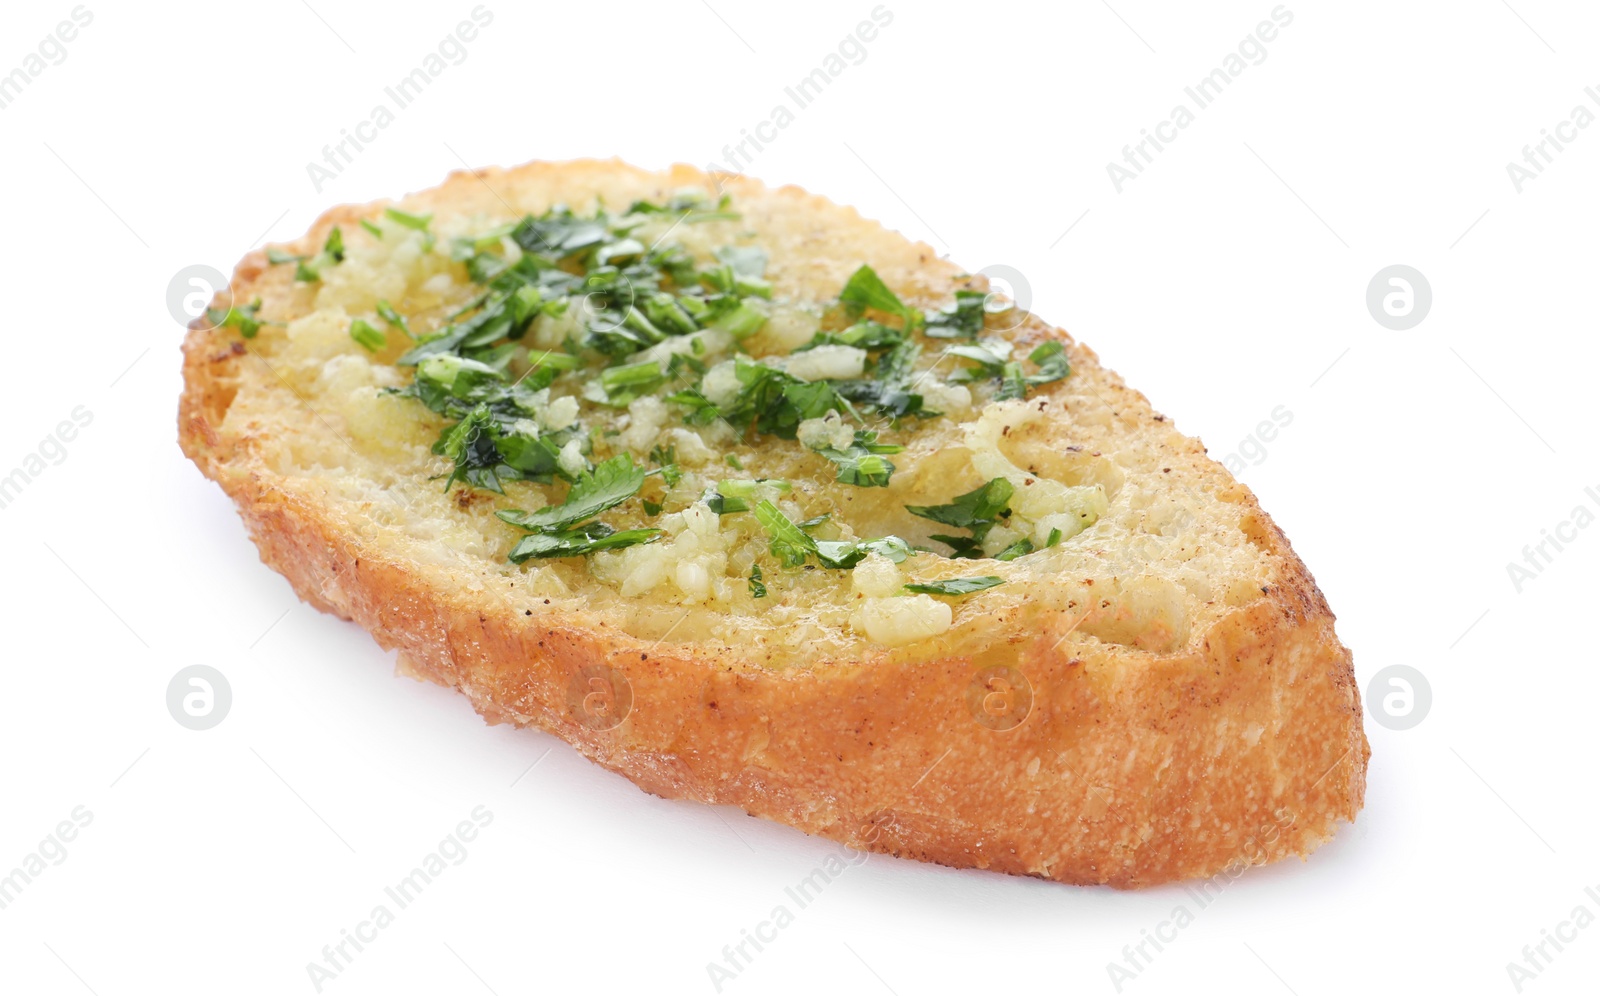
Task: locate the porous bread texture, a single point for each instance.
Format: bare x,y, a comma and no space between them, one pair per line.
1182,693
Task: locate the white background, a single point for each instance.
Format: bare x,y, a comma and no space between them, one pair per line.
1227,280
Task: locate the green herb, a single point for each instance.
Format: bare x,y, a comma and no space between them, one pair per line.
544,366
505,314
742,271
667,459
678,203
589,538
758,588
1050,359
609,485
893,547
372,229
843,555
447,383
370,338
769,401
723,505
977,511
866,290
1013,385
1021,548
276,256
394,318
730,496
559,233
863,463
310,270
625,383
1052,539
563,530
417,222
741,322
789,544
245,318
956,586
471,445
961,320
624,296
792,546
692,204
666,313
888,388
867,335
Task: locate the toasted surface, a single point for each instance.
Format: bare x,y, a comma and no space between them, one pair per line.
1159,695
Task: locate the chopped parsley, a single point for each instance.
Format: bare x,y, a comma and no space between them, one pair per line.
628,381
865,289
1049,359
491,442
956,586
769,402
619,316
591,537
692,204
563,530
310,270
666,460
843,555
368,337
418,222
863,463
1021,548
732,496
961,320
245,318
792,545
976,511
607,486
742,271
394,318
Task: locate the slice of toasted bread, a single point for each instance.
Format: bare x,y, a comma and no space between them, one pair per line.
1159,695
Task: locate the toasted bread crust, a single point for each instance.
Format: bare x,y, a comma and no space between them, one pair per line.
1129,768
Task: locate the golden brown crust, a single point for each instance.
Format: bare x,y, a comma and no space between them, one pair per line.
1129,767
